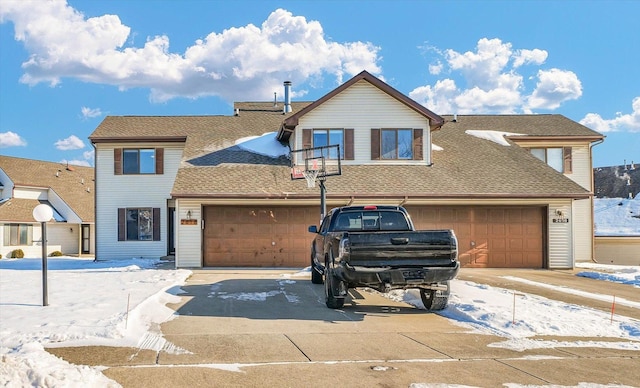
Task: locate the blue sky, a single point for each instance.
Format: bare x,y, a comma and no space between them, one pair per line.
65,65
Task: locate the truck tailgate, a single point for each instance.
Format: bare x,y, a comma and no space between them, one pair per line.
403,249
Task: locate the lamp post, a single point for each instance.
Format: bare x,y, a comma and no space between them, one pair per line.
43,213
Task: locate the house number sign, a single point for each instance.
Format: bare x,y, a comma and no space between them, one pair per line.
560,220
188,222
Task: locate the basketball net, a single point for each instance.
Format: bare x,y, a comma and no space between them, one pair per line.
311,174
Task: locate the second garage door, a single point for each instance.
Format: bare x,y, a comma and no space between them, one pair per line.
490,236
254,236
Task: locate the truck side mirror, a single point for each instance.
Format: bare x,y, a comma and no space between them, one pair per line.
313,229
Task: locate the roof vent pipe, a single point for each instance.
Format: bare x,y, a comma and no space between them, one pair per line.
287,96
455,118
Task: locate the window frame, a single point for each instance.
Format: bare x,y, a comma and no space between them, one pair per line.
327,132
125,233
565,157
15,229
127,161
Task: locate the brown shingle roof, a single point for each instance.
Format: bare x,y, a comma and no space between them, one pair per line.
212,166
71,185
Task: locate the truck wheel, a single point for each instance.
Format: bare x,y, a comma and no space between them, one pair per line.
330,299
434,300
316,277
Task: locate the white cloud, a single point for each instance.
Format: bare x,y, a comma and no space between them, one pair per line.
70,143
555,87
235,63
11,139
89,155
622,122
90,113
490,81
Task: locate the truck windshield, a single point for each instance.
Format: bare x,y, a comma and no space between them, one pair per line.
371,220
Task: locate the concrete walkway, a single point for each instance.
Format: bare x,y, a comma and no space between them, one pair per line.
260,328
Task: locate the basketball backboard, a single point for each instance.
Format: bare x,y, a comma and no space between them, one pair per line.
319,161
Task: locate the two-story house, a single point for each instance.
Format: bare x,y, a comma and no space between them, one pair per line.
26,183
218,190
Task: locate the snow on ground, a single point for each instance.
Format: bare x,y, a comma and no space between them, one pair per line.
116,303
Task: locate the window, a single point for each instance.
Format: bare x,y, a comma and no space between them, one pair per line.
139,224
327,137
18,234
396,144
133,161
558,158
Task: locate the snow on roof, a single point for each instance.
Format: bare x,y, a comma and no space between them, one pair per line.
266,145
494,136
436,147
617,216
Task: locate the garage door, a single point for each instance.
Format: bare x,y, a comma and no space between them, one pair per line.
258,236
490,236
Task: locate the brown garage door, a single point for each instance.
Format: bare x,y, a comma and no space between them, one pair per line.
258,236
490,236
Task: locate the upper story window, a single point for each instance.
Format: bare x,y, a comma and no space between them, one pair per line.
18,234
135,161
325,137
396,144
138,224
557,157
330,136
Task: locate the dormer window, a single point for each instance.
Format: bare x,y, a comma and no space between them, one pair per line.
557,157
325,137
396,144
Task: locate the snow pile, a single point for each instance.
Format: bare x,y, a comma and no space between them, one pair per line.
494,136
266,145
88,304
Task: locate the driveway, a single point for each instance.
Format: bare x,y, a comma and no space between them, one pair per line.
271,328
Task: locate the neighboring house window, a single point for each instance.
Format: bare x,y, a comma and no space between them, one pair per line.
325,137
139,224
396,144
134,161
557,157
18,234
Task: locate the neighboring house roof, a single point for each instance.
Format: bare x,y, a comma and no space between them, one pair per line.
73,184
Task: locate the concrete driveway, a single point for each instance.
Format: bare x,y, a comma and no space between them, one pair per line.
272,329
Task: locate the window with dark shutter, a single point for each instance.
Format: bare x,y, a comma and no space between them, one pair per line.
156,224
417,144
375,144
159,161
568,163
122,219
117,161
348,144
307,135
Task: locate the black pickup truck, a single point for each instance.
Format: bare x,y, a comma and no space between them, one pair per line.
377,247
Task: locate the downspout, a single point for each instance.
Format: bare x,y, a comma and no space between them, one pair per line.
95,203
593,189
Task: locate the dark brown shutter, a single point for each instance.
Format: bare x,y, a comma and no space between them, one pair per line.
159,161
117,161
417,144
156,224
122,222
568,164
348,144
307,134
375,144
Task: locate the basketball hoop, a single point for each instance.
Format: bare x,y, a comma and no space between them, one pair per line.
310,176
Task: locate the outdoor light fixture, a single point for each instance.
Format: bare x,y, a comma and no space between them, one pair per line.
43,213
188,214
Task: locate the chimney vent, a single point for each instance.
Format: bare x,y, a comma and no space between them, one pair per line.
287,96
455,118
237,112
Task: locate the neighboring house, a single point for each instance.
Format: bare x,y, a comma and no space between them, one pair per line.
69,190
617,215
217,190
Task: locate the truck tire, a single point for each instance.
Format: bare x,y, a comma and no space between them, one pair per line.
331,300
434,300
316,277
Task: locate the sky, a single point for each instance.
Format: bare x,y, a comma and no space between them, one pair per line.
123,300
67,64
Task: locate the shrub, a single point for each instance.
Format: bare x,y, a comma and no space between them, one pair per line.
55,253
17,254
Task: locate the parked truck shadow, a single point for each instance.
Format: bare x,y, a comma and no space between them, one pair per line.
280,299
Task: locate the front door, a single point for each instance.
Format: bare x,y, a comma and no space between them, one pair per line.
86,238
171,246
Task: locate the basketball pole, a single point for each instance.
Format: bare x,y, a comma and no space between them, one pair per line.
323,199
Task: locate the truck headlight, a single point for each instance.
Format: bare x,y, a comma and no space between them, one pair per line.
345,248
